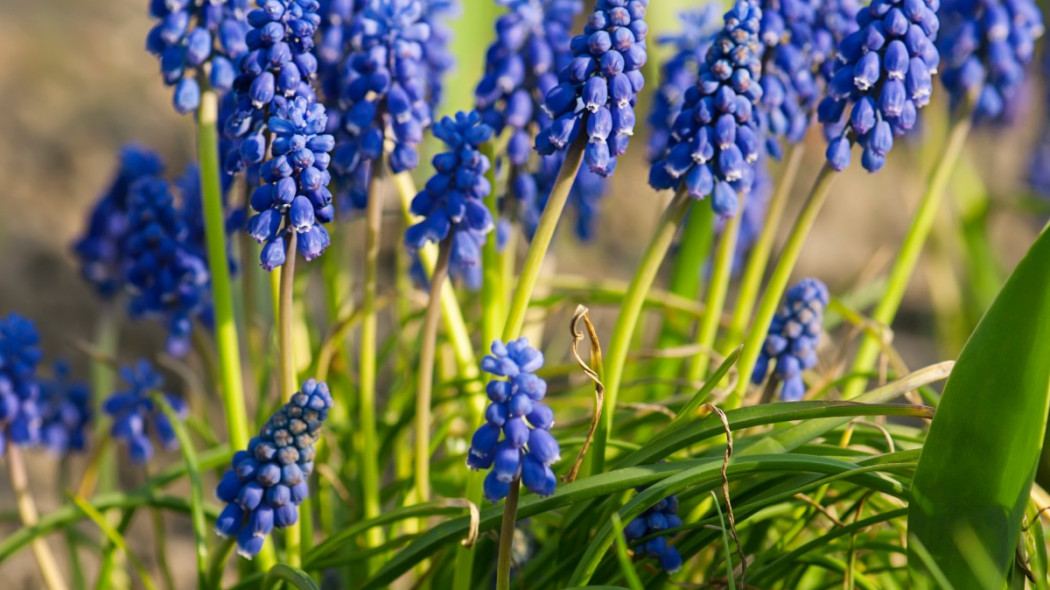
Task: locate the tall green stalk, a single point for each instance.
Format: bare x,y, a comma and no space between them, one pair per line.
718,287
369,457
286,362
226,339
767,307
911,248
630,311
758,260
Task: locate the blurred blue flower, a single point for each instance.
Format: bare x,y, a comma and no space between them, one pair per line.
64,410
268,480
599,87
884,75
19,387
515,440
585,196
716,140
835,20
135,415
658,517
791,345
986,47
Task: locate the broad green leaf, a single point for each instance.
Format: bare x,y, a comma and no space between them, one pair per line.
976,469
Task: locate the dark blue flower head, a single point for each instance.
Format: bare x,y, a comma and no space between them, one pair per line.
382,91
19,388
165,277
986,47
515,440
793,337
101,249
135,415
835,20
715,140
268,480
64,411
599,87
191,34
658,517
437,50
679,73
294,195
192,212
452,200
884,76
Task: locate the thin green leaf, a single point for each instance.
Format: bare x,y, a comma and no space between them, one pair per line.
114,537
291,576
980,457
730,578
621,555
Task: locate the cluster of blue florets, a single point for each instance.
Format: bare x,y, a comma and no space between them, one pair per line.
437,51
136,415
884,76
600,85
986,46
19,390
835,20
101,249
533,191
165,278
382,92
192,33
526,448
452,200
789,83
64,412
294,196
793,337
659,517
268,480
715,140
679,73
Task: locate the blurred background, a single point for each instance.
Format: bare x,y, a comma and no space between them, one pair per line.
76,84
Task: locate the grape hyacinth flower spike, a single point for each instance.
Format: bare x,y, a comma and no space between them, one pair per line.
452,202
515,440
65,411
191,35
660,516
600,86
135,415
884,76
793,337
294,196
19,387
715,140
986,46
268,481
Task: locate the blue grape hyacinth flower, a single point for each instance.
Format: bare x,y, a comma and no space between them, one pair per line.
716,140
166,279
884,76
658,517
452,201
294,196
65,411
192,34
268,481
101,249
597,91
794,333
986,47
835,20
19,387
515,440
135,415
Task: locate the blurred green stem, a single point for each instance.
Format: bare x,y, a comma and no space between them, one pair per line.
27,512
286,361
226,339
767,306
717,288
425,385
911,248
630,311
758,260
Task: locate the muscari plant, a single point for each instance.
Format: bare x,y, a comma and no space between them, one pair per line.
750,439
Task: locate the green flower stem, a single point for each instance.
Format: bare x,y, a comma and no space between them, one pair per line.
369,448
506,535
911,248
767,306
27,512
492,301
758,260
425,385
630,311
541,240
718,286
286,361
226,339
